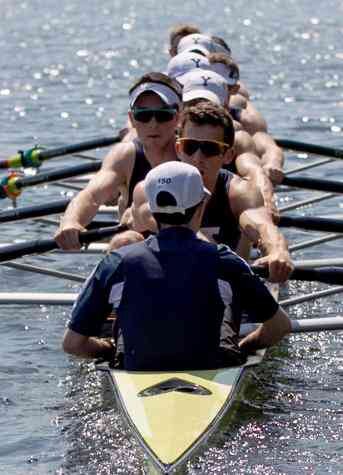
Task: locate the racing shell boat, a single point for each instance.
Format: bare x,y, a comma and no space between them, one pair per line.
172,413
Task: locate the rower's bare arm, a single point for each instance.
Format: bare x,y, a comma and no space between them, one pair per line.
269,333
142,219
257,225
238,100
87,347
271,155
249,166
244,143
103,187
252,121
243,90
138,218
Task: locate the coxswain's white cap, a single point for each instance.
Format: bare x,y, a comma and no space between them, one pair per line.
204,84
181,180
185,62
166,94
200,42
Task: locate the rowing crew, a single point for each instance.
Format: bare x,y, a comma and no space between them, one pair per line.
179,282
190,293
236,212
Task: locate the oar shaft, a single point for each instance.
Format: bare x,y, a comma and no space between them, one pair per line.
310,148
15,251
312,223
303,325
314,184
35,156
327,275
79,147
36,211
55,175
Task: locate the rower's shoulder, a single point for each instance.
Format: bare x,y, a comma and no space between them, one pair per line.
244,143
120,155
243,194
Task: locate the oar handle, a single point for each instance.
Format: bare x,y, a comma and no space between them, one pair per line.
326,275
14,251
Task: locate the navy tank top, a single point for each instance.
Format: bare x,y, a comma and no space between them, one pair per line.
235,113
218,216
140,169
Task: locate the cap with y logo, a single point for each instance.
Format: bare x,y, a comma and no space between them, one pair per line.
200,42
180,180
183,63
204,84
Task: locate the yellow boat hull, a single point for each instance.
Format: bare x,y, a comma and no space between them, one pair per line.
171,413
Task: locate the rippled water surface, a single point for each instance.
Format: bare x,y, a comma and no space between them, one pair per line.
65,71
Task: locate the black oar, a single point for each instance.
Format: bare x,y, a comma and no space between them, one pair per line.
327,275
11,186
310,148
329,225
14,251
35,156
313,184
26,212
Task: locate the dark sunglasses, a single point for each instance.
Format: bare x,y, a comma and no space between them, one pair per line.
209,148
163,114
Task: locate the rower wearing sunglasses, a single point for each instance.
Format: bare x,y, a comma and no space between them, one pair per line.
244,112
155,100
187,66
236,208
204,85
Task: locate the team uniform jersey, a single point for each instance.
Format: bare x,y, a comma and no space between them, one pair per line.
140,169
219,222
178,299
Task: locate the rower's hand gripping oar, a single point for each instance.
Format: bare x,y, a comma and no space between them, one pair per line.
35,156
14,251
327,275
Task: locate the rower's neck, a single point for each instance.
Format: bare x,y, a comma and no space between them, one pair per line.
157,155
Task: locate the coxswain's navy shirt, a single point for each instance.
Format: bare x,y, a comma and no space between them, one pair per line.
170,293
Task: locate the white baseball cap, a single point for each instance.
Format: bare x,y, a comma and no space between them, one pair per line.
230,74
183,63
166,94
200,42
204,84
181,180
